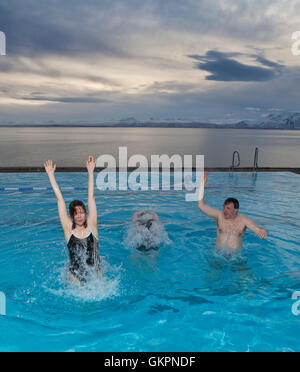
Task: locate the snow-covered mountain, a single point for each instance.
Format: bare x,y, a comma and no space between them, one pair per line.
282,120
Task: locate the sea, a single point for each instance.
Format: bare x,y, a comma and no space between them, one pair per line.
70,146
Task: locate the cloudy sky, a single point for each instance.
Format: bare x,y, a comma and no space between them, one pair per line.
102,60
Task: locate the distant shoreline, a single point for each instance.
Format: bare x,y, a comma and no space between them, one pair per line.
166,126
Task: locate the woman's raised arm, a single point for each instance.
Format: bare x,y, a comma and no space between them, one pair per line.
93,215
65,220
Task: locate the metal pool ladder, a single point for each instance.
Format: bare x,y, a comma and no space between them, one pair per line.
234,165
255,164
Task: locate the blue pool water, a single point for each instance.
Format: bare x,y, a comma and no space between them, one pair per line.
182,298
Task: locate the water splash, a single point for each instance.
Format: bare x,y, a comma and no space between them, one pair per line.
94,290
149,236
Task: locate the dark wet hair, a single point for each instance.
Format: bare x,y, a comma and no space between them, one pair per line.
235,202
72,210
147,224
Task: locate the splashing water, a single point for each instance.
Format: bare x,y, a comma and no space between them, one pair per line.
147,234
97,288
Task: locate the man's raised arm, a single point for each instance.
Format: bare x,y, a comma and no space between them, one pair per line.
209,211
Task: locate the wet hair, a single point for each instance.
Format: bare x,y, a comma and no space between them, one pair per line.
147,224
72,210
146,234
235,202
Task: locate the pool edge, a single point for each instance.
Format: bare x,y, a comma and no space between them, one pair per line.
83,170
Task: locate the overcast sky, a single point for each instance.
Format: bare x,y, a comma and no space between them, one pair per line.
99,60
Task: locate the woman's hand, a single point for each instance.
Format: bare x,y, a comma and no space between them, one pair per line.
49,167
205,177
91,164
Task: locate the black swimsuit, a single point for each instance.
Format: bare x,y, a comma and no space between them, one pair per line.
84,255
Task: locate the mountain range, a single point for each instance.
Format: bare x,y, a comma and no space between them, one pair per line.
282,120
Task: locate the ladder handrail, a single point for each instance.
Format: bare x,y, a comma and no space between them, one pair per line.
233,165
255,164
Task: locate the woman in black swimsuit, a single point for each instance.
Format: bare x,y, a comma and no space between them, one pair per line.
81,230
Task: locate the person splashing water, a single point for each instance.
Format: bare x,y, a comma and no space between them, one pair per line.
81,230
146,232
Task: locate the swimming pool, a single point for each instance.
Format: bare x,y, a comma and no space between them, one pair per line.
182,298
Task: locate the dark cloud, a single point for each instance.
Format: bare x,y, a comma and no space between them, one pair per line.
56,27
42,68
93,26
223,67
168,86
155,33
209,104
66,99
268,63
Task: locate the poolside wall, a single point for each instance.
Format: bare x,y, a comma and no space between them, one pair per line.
82,170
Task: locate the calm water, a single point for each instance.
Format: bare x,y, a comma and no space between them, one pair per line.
184,297
71,146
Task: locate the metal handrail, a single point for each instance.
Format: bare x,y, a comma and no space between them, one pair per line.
234,165
255,164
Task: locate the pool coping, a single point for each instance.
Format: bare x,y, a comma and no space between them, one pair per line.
83,170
